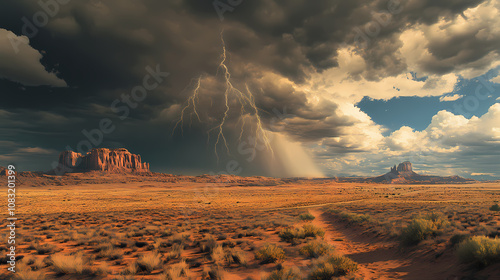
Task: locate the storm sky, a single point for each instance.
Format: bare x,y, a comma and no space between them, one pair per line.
339,87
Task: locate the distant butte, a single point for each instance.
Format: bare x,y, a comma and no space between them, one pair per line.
404,174
109,160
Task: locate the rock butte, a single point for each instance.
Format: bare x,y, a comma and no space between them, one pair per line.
112,160
405,167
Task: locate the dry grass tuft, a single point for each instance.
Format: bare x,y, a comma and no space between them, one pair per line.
316,249
285,274
270,253
422,228
149,262
176,271
479,250
70,264
330,266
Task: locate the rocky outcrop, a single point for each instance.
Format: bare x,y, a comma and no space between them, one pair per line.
404,174
113,160
405,167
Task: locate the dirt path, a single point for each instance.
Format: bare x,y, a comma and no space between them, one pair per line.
379,259
376,259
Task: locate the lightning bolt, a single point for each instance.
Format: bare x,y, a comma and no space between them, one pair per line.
245,99
191,101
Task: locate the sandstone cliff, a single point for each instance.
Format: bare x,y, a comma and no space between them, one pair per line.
113,160
405,167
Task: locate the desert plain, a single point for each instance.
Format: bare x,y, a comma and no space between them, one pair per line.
100,225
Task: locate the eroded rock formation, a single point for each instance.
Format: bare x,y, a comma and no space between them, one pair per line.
405,167
114,160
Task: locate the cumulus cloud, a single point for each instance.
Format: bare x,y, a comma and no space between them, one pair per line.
472,144
20,62
466,44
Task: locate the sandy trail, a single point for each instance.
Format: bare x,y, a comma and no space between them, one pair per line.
379,259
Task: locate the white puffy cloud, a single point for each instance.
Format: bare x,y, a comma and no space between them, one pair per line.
337,83
19,62
466,45
450,145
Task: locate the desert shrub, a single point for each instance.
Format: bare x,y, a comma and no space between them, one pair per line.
176,271
285,274
292,235
479,250
108,251
235,256
439,220
334,211
416,231
208,244
354,218
217,255
180,238
270,253
176,252
329,266
484,230
69,264
313,231
306,217
149,262
495,207
421,228
315,249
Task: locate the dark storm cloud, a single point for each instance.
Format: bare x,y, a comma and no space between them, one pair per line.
106,44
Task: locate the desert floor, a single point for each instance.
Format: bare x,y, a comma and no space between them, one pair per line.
96,226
